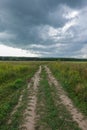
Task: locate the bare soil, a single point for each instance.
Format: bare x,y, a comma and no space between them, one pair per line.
30,112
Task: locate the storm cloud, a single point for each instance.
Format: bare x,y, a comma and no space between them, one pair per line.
49,28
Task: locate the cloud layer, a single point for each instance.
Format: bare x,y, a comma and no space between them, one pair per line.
49,28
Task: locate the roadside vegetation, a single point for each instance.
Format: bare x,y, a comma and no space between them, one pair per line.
73,78
14,77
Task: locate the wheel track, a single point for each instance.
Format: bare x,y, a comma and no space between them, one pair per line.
76,115
30,112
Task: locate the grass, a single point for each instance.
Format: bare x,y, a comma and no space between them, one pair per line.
18,116
14,77
73,78
52,114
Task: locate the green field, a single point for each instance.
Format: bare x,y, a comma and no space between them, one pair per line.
14,79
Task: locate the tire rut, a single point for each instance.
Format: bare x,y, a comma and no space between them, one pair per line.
76,115
30,112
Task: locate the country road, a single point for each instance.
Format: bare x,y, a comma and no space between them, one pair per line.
48,107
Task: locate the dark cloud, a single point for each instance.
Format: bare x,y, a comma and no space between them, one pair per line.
41,22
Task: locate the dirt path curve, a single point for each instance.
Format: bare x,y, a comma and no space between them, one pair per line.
76,115
30,111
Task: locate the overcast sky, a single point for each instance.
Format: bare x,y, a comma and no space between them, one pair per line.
43,28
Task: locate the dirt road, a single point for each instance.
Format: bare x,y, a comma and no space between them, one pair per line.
30,120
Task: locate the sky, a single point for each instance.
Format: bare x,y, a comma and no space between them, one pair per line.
43,28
